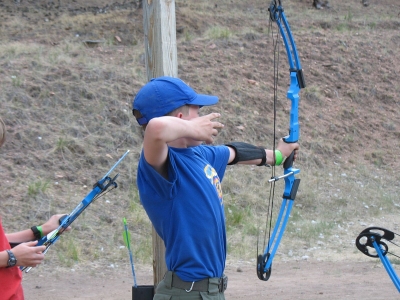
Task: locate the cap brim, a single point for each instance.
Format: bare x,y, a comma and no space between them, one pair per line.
204,100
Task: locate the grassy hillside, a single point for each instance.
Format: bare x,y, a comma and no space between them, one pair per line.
67,107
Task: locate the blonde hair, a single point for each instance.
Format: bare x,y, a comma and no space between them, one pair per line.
2,132
183,109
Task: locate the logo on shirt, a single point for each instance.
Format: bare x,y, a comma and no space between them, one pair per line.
214,180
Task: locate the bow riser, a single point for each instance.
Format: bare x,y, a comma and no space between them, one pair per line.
291,184
293,96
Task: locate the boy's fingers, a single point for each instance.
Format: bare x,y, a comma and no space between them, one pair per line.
218,125
214,115
41,248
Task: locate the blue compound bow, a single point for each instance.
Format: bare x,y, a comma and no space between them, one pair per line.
99,189
370,242
264,261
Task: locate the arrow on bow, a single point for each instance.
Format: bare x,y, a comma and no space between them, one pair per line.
264,261
99,189
370,242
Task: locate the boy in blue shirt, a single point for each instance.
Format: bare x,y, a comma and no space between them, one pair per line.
179,181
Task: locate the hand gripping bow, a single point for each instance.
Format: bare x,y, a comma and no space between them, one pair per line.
264,261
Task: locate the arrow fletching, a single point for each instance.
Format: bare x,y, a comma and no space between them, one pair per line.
126,235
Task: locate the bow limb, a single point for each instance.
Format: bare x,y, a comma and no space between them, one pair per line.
369,242
264,261
386,263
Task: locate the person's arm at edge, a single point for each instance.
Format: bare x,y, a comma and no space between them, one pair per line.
27,253
27,235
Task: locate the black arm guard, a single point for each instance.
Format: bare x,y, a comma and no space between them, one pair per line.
245,152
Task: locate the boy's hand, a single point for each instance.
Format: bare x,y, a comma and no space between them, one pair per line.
287,148
52,224
207,127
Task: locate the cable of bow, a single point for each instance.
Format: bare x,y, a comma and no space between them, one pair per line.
371,242
100,188
264,261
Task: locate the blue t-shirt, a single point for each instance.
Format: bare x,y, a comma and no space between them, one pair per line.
187,210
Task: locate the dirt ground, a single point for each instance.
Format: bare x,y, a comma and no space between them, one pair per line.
291,280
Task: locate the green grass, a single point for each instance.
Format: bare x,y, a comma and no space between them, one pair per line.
218,32
38,187
68,250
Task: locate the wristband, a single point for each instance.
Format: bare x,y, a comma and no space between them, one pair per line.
41,231
278,158
37,232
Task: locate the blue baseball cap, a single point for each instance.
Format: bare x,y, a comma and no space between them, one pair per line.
164,94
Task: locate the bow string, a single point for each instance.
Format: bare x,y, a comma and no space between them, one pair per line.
264,261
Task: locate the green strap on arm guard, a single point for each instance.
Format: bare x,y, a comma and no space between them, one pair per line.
246,152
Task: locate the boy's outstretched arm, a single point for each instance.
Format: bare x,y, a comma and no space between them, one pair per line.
285,148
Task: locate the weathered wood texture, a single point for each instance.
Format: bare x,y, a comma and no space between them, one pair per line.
159,25
160,38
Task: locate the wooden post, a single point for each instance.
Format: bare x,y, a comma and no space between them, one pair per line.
159,25
160,38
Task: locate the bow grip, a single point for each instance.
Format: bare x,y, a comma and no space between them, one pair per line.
61,220
288,163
